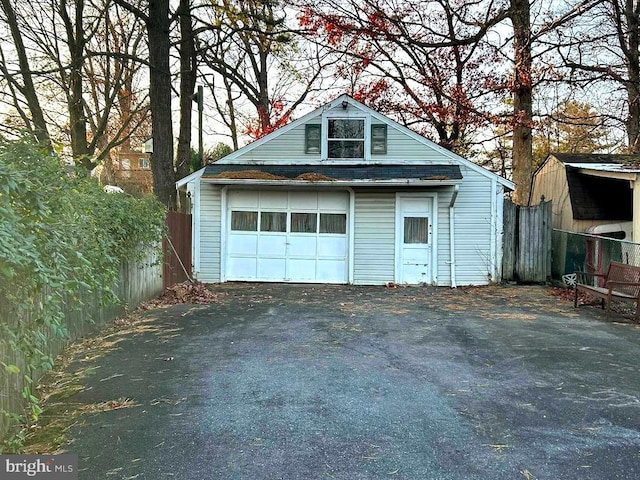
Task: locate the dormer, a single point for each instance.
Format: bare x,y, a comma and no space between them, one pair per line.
346,133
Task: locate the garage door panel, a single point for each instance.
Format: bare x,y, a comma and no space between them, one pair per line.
331,270
272,245
302,246
244,199
243,268
333,201
278,200
243,244
303,200
302,270
335,247
273,269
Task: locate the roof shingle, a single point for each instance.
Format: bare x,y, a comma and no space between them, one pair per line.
347,172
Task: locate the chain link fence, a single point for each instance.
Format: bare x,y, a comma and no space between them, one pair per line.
581,252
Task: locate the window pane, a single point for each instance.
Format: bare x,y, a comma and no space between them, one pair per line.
303,222
312,139
244,221
416,230
379,139
333,223
345,149
342,128
273,222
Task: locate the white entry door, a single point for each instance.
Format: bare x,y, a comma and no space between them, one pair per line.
415,233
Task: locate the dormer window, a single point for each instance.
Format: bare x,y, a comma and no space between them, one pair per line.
346,135
345,138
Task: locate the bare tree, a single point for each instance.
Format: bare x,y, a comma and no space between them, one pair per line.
531,36
188,76
439,59
522,88
35,120
116,100
81,66
427,62
602,52
158,22
252,47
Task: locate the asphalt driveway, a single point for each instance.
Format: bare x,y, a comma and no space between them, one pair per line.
335,382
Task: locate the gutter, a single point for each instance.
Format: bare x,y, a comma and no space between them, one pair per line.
452,236
333,183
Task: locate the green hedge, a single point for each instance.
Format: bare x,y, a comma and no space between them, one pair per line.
60,234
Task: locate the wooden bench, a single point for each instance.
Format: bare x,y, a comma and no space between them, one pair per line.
621,282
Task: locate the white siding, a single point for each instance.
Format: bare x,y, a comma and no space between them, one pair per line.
374,234
289,148
473,229
374,242
210,230
401,147
444,246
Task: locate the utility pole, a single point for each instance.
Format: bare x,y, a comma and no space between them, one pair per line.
198,97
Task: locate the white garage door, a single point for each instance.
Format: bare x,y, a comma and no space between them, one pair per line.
284,236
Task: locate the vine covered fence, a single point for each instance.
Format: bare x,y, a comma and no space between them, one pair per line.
83,315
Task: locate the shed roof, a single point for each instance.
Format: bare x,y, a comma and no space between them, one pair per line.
607,158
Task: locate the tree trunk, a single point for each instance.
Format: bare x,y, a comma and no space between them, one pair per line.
37,117
75,99
522,164
264,104
187,86
160,99
233,126
77,120
633,119
633,84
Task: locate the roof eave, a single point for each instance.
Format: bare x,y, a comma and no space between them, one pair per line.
189,178
333,183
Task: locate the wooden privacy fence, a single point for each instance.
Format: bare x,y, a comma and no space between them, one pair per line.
527,242
83,315
177,249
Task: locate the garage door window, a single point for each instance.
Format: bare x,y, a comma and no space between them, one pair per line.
244,221
333,223
273,222
303,223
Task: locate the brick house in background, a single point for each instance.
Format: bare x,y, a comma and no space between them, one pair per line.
131,171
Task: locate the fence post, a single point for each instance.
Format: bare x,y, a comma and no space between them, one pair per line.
509,239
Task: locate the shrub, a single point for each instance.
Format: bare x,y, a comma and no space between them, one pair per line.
60,234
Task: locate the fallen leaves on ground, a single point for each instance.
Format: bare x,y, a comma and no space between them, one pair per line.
623,308
527,474
568,294
185,292
108,406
